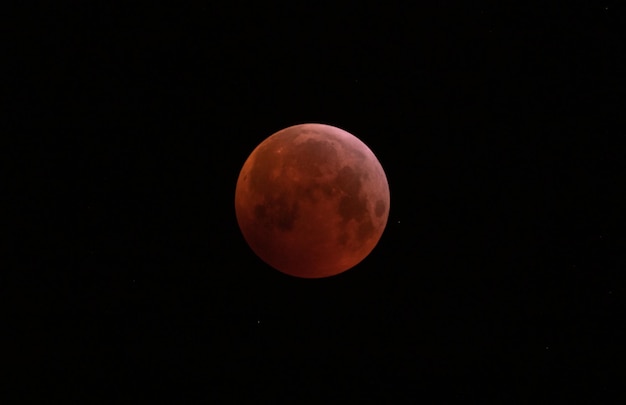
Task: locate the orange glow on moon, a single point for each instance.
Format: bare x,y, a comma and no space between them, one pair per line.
312,200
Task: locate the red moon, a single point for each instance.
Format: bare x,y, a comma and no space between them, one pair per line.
312,200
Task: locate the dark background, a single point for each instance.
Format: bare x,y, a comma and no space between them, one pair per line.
499,274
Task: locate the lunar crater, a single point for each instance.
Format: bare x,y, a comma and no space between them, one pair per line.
277,212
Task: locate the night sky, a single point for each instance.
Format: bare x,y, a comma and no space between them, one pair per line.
499,275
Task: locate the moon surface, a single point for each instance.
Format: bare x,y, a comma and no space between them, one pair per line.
312,200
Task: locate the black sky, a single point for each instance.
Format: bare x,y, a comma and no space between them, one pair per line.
499,273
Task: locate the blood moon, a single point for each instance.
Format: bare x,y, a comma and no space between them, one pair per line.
312,200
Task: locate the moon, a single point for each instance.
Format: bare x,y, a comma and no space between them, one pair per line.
312,200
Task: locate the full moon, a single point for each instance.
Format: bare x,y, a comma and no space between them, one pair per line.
312,200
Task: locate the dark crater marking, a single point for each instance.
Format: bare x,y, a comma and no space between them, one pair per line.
352,205
277,212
